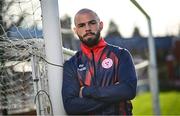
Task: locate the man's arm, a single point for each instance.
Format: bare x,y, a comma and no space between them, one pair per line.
125,89
73,104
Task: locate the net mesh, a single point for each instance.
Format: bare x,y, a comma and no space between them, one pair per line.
20,39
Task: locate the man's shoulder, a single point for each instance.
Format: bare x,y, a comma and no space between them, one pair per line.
117,49
74,57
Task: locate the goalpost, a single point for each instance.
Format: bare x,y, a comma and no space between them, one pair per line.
21,21
53,48
152,63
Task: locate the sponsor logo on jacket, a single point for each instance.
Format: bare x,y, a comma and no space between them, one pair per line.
81,67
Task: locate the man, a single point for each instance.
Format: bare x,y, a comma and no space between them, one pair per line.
100,79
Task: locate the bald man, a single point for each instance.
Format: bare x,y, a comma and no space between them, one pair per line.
100,79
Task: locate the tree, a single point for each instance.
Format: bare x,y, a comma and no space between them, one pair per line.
68,38
136,32
113,30
1,18
5,7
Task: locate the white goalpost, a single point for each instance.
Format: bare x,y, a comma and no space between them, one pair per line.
54,54
153,76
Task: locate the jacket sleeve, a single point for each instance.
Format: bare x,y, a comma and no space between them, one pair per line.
73,104
124,90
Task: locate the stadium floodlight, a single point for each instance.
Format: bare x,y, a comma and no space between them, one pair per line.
152,65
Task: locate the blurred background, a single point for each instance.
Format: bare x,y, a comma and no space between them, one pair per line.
23,72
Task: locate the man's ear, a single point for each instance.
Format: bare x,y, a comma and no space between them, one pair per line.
75,31
101,25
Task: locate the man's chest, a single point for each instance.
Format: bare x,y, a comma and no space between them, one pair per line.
101,73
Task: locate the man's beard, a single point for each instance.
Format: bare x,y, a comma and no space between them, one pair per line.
90,42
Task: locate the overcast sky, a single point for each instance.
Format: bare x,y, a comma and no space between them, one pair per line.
164,14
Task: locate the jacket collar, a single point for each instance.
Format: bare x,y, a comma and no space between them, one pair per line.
96,49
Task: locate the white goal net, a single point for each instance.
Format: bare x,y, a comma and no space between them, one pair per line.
20,20
23,74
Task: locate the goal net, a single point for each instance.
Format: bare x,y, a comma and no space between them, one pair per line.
23,73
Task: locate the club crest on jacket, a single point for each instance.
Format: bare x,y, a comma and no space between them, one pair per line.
107,63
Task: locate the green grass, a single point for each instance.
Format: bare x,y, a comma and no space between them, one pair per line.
169,103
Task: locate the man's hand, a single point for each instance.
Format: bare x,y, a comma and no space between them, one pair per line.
80,92
116,83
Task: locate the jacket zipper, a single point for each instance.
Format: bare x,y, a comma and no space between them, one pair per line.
94,79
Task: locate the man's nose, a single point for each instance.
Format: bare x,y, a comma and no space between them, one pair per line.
87,27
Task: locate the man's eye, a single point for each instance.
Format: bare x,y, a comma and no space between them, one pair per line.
81,25
92,22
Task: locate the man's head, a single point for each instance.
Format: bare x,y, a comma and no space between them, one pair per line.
88,27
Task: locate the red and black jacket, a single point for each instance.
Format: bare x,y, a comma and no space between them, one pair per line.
108,75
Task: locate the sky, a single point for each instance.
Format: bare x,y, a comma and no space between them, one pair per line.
165,16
